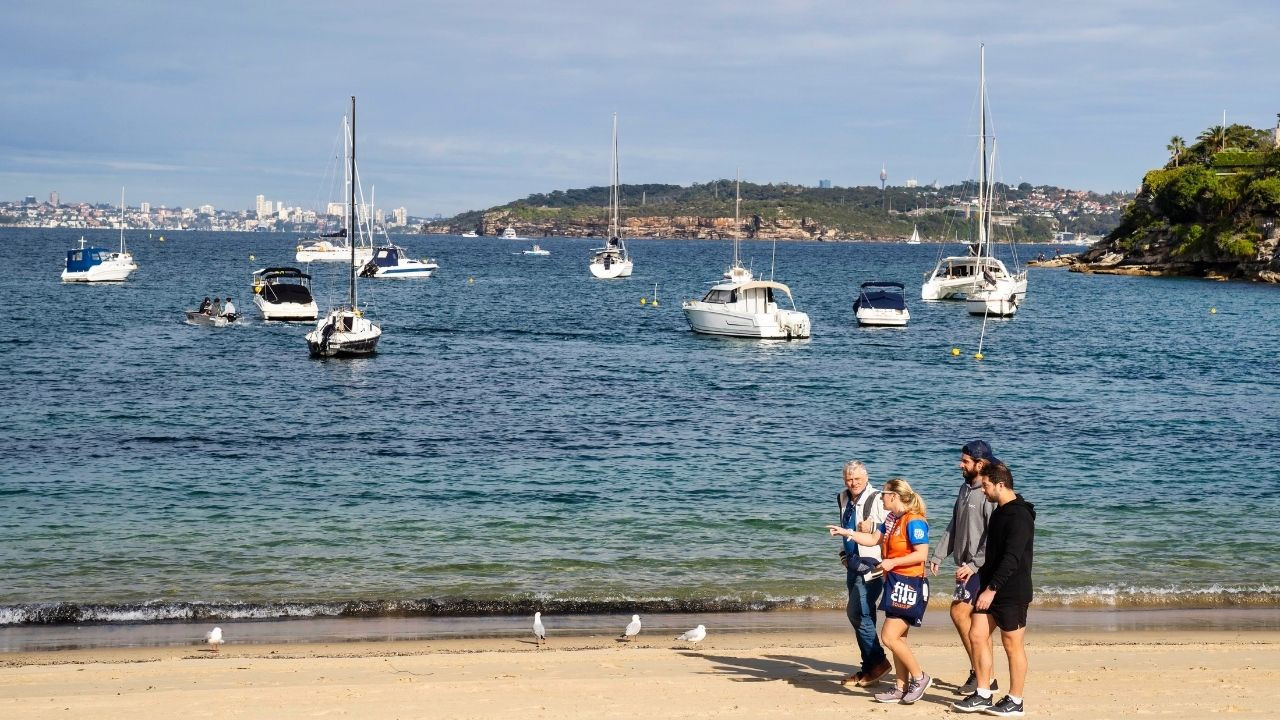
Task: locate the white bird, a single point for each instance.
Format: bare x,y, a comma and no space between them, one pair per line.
633,628
695,635
539,631
214,638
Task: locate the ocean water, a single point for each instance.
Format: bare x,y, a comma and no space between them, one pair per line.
531,437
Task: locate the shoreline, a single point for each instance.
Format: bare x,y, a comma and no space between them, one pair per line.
17,640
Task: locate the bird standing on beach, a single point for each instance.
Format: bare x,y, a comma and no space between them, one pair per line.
633,628
539,631
214,638
695,635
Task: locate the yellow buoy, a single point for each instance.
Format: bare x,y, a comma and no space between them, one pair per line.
655,302
161,238
471,280
1213,311
955,352
978,356
252,257
643,301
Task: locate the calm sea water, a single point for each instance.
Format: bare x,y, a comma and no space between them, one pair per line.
530,436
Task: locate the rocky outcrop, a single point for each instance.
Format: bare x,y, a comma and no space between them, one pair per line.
691,227
1160,256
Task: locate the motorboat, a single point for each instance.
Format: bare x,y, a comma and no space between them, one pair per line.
508,234
345,331
88,263
882,304
747,309
392,261
196,317
979,276
94,264
331,247
284,293
470,234
612,260
537,250
737,272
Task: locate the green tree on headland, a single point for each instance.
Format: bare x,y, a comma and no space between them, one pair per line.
1176,147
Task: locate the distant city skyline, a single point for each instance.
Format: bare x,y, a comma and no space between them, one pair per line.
462,107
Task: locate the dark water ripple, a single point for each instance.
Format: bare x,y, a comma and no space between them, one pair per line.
538,437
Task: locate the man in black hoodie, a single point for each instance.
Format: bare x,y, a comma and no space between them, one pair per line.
1006,592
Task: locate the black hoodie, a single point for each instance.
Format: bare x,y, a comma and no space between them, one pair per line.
1010,547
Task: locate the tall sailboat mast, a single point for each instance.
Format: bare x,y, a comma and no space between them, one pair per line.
351,205
737,206
982,149
121,219
614,201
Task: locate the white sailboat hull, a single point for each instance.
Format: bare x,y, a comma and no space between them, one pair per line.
603,271
956,278
343,333
333,253
1002,300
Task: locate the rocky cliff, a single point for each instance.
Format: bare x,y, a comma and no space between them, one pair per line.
656,226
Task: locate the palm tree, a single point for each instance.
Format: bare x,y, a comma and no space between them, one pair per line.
1176,147
1215,136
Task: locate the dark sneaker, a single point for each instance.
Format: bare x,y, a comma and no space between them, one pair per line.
1006,708
971,685
973,703
894,695
916,688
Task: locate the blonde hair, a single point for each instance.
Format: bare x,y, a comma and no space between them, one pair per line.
910,498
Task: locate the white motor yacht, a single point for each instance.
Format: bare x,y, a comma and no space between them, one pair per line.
94,264
508,234
537,250
881,304
470,234
284,293
747,309
392,261
328,248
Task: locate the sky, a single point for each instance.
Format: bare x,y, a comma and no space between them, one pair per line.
466,105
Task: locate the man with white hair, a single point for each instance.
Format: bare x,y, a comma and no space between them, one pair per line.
861,509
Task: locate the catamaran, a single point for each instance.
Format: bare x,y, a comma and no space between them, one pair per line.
345,331
980,278
612,260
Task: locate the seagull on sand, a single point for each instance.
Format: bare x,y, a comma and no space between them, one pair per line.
633,628
695,635
539,631
214,638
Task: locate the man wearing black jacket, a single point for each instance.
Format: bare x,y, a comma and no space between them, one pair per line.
1006,592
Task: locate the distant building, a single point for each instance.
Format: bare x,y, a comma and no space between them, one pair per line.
401,215
145,207
335,209
826,184
262,208
207,210
911,182
29,200
54,199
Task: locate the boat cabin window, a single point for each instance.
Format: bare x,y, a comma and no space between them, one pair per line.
78,256
720,296
95,257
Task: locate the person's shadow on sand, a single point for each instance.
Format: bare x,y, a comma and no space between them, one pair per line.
801,672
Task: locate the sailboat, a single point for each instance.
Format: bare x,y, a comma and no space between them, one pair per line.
94,264
345,331
335,246
736,271
612,260
980,278
915,236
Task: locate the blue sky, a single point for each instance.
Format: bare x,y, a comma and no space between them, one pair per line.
463,105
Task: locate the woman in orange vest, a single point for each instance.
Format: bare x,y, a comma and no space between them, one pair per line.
904,544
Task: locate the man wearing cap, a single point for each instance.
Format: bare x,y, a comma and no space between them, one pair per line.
965,541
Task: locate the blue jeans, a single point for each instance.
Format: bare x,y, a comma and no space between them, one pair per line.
863,595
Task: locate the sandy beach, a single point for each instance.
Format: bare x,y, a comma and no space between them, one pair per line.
1091,671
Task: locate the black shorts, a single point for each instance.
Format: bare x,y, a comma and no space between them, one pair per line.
1007,616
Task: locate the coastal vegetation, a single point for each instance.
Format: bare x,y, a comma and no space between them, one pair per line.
786,210
1211,210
